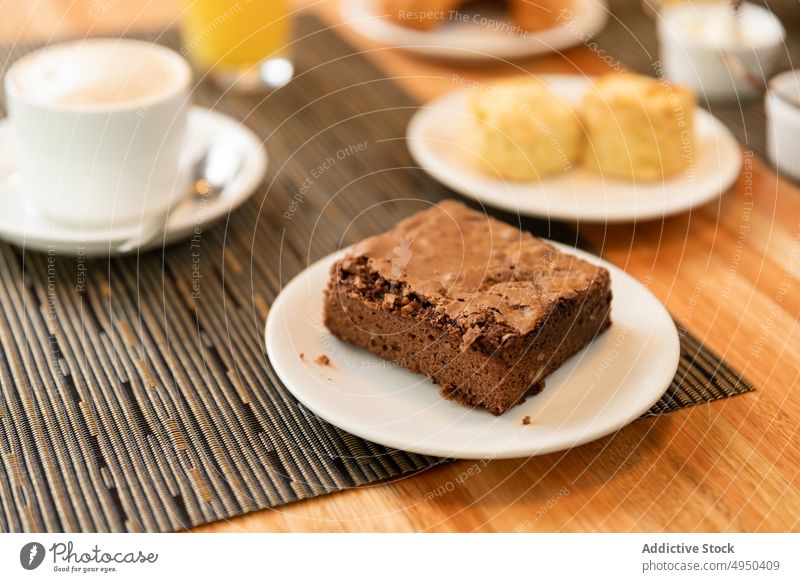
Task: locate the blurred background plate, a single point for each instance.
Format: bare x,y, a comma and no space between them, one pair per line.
469,40
580,194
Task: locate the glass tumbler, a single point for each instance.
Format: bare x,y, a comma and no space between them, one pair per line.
242,44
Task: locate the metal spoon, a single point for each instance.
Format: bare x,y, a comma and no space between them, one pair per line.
739,69
211,173
733,62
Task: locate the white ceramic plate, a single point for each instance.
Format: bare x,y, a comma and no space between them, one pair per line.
22,225
470,38
598,391
580,194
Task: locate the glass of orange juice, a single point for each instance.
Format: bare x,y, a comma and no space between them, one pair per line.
243,44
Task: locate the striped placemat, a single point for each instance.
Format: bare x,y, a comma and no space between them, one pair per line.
136,394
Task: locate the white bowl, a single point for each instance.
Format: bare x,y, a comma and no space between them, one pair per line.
783,122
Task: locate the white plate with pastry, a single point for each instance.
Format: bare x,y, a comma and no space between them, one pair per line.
598,163
440,28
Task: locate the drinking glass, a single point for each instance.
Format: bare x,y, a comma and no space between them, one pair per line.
243,44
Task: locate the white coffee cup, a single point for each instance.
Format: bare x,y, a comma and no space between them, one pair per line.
695,38
98,128
783,122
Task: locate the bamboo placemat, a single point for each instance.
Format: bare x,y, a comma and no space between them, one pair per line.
130,402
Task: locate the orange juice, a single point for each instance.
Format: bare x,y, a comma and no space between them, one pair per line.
235,34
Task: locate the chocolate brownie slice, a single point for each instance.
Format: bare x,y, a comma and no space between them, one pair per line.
484,309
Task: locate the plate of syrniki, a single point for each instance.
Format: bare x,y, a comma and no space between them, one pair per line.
617,148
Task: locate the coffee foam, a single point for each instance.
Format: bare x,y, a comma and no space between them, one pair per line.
97,72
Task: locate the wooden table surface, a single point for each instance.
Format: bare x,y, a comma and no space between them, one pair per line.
729,271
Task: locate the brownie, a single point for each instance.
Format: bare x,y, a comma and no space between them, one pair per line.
485,310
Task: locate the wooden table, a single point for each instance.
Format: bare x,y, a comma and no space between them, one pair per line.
730,272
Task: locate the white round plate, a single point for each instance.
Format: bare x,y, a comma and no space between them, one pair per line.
580,194
608,384
471,39
22,225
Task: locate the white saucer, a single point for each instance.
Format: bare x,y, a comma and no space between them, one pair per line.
22,225
598,391
468,39
581,194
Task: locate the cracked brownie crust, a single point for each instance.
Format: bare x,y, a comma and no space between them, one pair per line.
485,310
